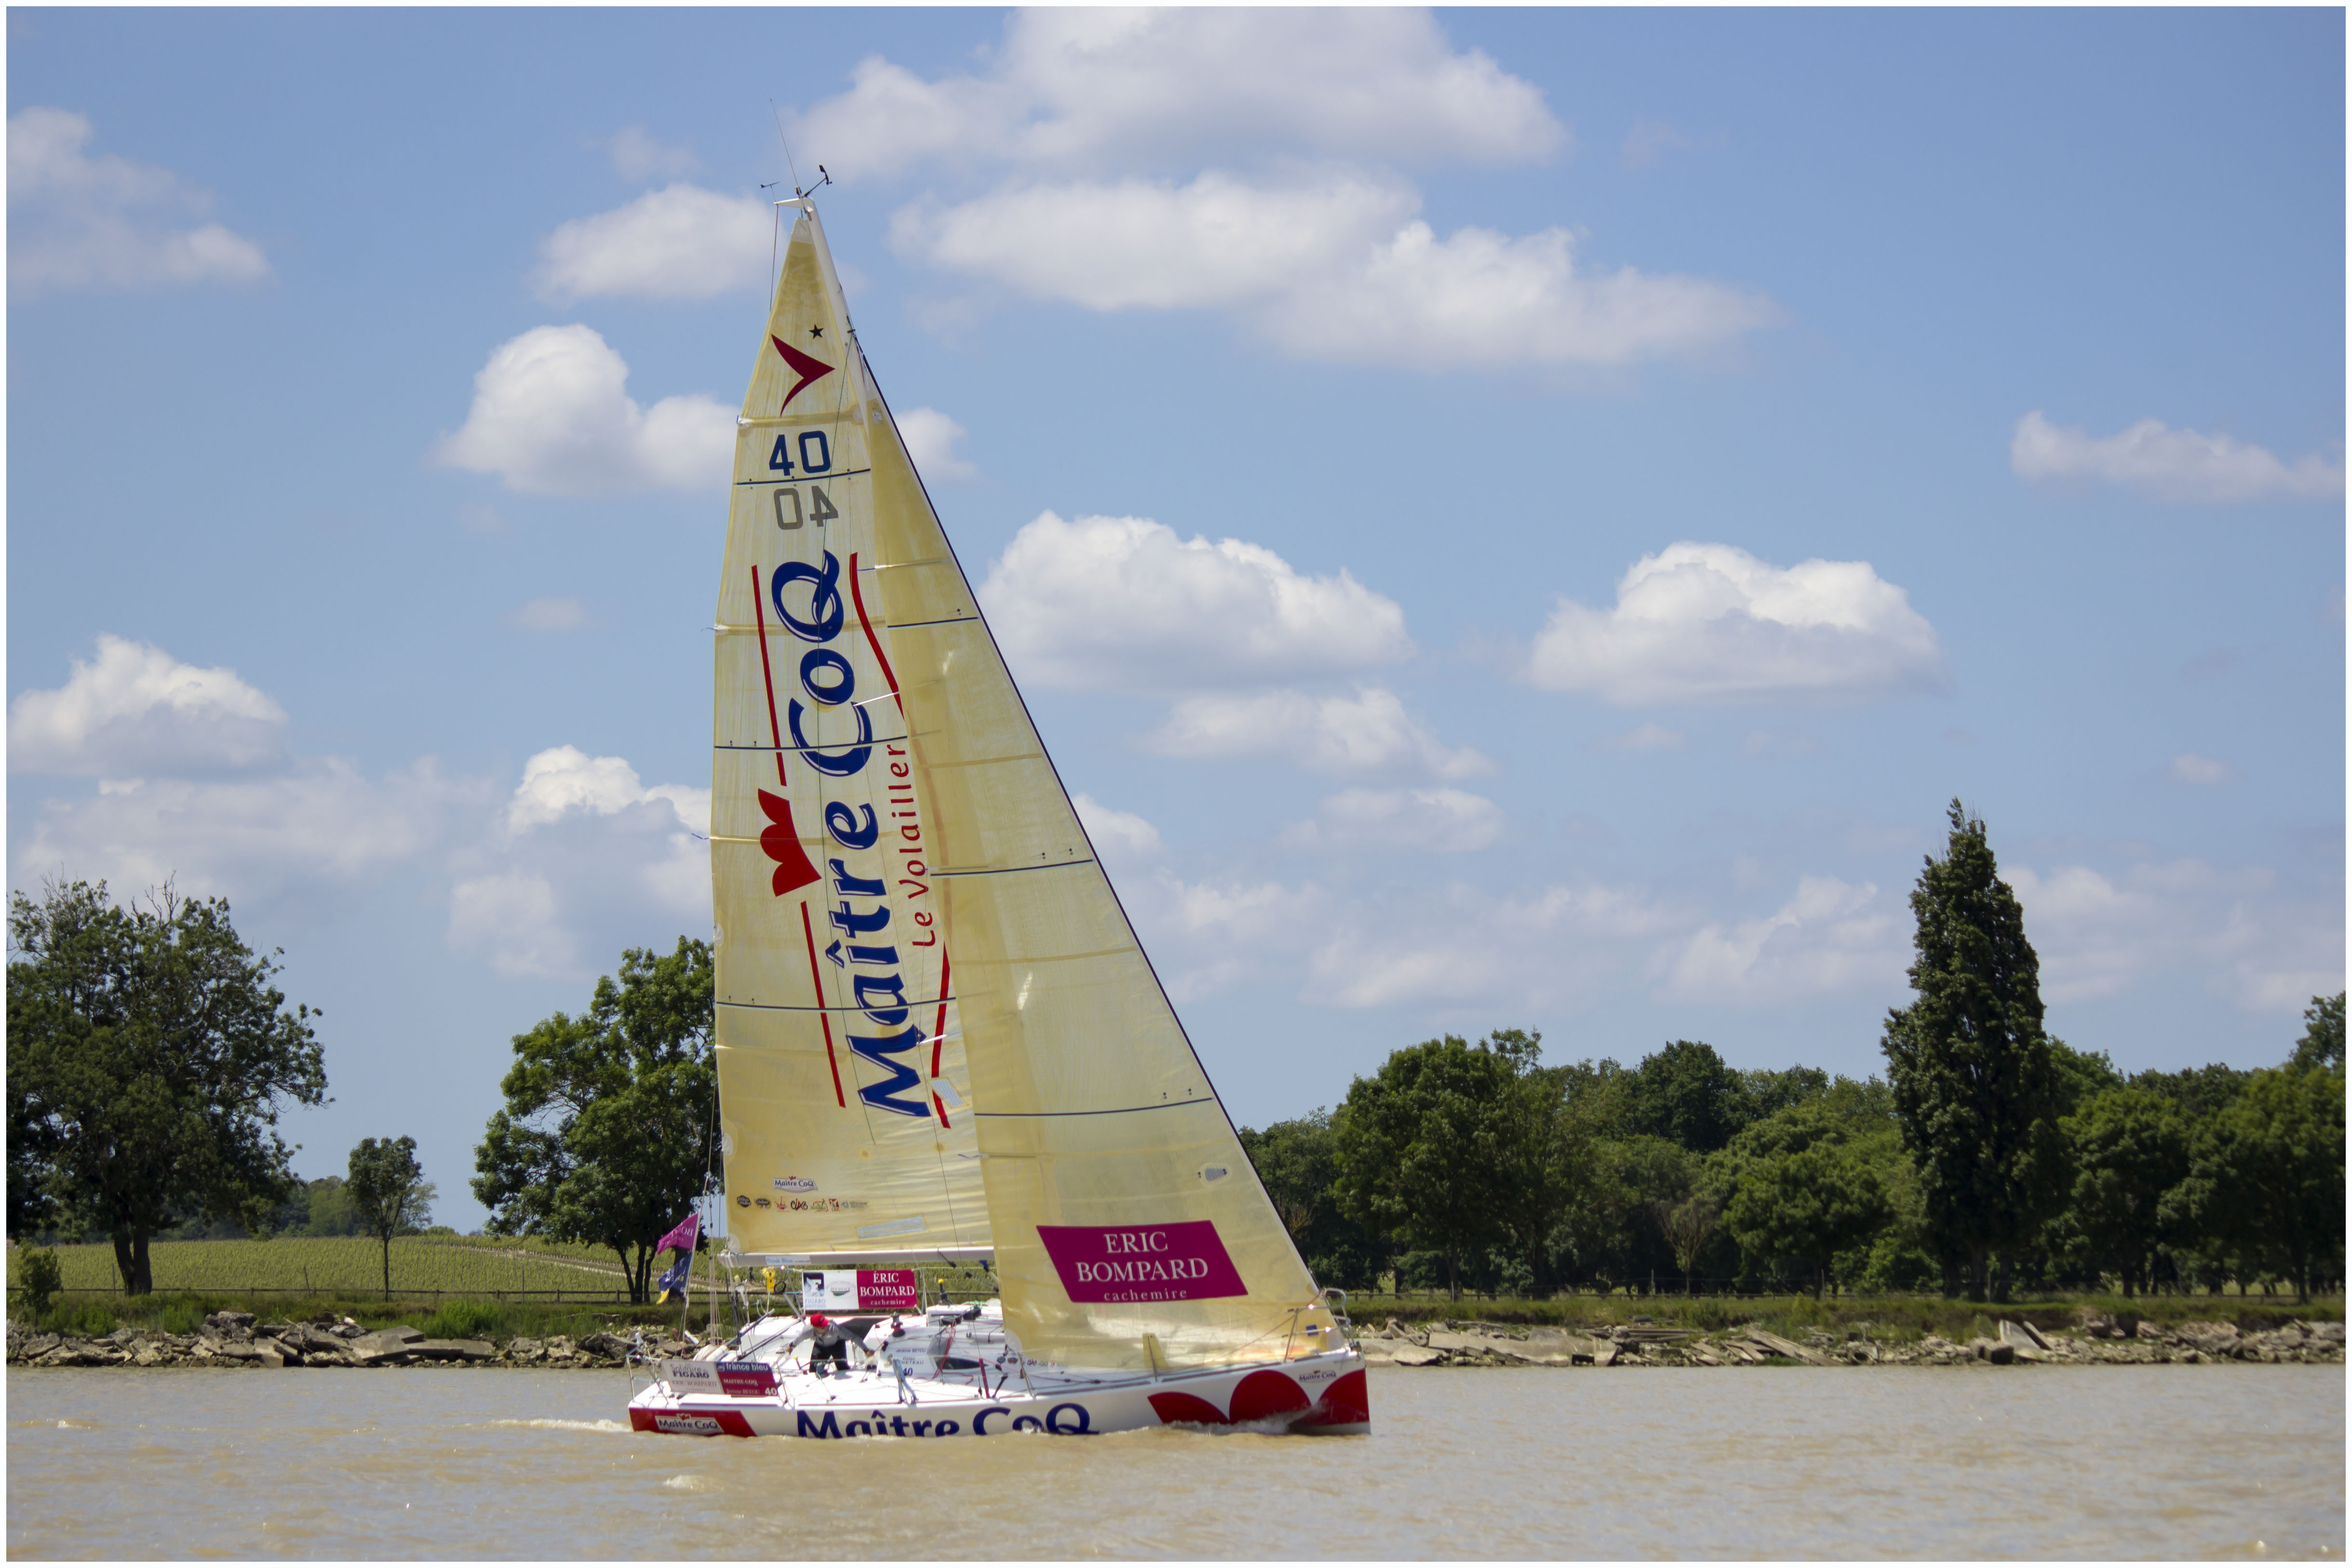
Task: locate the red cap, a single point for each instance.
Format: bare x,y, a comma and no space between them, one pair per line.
819,1320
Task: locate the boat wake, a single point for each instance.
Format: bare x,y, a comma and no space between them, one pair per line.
557,1424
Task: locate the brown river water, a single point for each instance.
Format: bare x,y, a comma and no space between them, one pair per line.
2110,1461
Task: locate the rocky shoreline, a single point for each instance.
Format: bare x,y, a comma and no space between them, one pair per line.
2096,1340
237,1339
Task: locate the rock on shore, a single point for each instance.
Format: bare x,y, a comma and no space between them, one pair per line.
237,1339
2095,1340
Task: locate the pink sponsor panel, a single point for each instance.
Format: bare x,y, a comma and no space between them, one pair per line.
1185,1261
887,1291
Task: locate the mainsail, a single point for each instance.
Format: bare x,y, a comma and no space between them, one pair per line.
1128,1227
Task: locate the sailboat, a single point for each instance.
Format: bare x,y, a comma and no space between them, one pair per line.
938,1039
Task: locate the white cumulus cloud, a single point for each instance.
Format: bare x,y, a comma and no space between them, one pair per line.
1087,88
1448,822
77,221
1830,936
512,918
1700,622
1218,241
1368,730
1125,604
2170,465
1115,834
135,710
931,437
584,860
317,825
578,861
2100,933
1481,298
1543,947
563,779
681,242
1245,161
552,415
1332,267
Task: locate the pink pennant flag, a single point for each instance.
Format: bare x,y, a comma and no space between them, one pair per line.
683,1237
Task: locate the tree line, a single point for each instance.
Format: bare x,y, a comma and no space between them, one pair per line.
1992,1158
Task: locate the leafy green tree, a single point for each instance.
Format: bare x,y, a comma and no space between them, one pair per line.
1549,1163
1442,1147
1684,1091
39,1279
2200,1093
388,1189
1974,1086
2130,1149
332,1212
2273,1166
1297,1162
1900,1257
1688,1227
609,1119
1610,1235
148,1059
2322,1044
2079,1075
1808,1205
1768,1091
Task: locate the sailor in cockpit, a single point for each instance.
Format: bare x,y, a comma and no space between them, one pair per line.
828,1347
881,1341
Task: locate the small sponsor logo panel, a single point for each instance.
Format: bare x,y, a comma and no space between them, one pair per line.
1185,1261
859,1290
745,1379
734,1379
691,1376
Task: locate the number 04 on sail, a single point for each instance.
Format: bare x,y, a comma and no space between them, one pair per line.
937,1036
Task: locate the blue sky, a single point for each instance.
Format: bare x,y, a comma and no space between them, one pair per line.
1506,518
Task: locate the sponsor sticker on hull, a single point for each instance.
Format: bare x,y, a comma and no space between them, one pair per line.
1185,1261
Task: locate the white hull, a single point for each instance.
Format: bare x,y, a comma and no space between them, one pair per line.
1322,1395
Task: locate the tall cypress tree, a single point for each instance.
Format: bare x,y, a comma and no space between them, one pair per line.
1975,1089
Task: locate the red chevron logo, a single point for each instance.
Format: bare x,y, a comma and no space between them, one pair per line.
804,366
